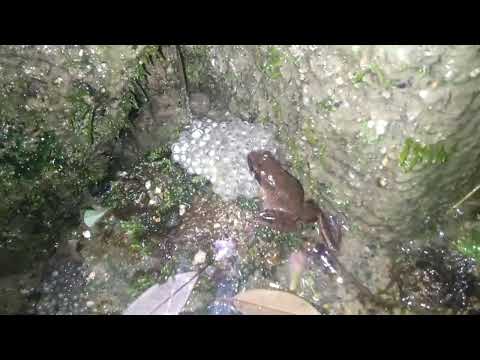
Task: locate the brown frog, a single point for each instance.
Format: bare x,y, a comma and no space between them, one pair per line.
284,208
284,205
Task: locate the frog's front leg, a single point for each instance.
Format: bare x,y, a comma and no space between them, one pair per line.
279,220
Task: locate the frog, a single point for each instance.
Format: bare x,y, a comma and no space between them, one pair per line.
285,209
284,206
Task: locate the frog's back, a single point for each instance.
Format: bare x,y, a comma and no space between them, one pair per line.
289,188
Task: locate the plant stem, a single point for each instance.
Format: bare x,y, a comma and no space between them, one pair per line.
466,197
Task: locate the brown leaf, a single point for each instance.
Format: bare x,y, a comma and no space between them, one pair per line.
272,302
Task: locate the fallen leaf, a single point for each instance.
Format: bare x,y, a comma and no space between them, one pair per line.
168,298
90,217
272,302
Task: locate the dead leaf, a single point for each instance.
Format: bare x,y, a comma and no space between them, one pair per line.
91,217
272,302
168,298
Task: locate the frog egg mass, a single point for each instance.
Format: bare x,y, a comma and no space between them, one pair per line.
218,151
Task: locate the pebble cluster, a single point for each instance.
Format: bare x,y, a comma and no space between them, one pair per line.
218,151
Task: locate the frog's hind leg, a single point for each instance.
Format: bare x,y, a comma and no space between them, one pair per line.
311,212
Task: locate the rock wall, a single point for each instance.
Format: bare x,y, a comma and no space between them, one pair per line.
385,134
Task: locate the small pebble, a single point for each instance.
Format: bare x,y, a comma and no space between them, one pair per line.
382,182
474,73
199,257
91,276
423,93
90,304
381,126
273,285
182,209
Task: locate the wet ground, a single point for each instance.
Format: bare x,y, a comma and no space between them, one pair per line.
160,221
101,269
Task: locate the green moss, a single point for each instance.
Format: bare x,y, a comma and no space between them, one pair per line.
414,153
277,111
134,229
116,198
369,135
194,73
289,58
383,80
469,244
31,157
247,204
141,284
310,134
173,187
196,67
272,63
288,241
264,119
38,191
298,157
360,77
48,144
322,151
81,105
167,270
178,187
423,71
158,154
136,93
327,104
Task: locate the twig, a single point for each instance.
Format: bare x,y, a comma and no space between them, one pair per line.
185,79
466,197
91,125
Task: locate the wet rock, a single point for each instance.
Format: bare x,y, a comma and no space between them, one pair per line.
61,288
430,279
199,104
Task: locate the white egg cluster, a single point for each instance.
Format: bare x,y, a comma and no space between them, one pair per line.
218,151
